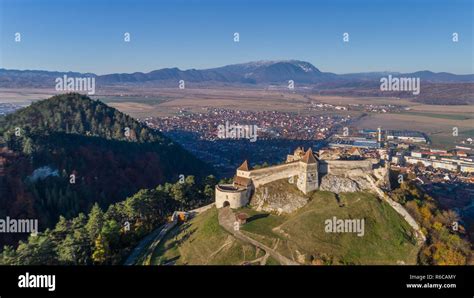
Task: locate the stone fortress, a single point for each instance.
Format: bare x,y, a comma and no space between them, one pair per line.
303,168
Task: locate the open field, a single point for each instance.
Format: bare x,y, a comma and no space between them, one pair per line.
467,109
149,101
439,127
346,100
22,96
451,116
195,100
414,122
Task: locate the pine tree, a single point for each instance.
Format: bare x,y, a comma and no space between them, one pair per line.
62,228
75,249
111,233
38,250
28,147
8,256
95,222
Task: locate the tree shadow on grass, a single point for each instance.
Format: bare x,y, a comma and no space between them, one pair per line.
185,237
257,216
171,261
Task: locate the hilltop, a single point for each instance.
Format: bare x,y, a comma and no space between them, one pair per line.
67,152
299,236
78,114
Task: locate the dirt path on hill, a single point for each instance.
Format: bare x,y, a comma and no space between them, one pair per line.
227,242
226,220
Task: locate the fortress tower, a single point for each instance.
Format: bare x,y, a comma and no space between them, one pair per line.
308,175
238,193
302,167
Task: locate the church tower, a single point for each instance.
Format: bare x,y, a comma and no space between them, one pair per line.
308,176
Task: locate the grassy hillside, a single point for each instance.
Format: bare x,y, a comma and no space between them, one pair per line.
201,241
299,236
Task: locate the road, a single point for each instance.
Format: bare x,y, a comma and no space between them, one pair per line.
132,258
153,239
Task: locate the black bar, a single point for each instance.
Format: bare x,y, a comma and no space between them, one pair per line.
290,281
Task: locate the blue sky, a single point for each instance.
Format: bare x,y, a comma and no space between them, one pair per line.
87,36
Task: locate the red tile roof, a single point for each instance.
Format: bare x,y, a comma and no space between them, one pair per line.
309,157
244,166
242,181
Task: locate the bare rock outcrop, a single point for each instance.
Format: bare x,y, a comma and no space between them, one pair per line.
338,184
278,197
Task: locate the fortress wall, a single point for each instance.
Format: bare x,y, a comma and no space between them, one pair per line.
267,175
346,167
262,171
421,238
236,198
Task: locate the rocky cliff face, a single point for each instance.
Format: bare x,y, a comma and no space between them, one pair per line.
338,184
282,197
279,197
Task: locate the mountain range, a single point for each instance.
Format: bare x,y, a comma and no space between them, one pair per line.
252,73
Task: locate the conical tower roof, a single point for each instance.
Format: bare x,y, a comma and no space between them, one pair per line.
309,157
244,166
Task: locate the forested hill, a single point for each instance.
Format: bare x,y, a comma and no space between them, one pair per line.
61,155
78,114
